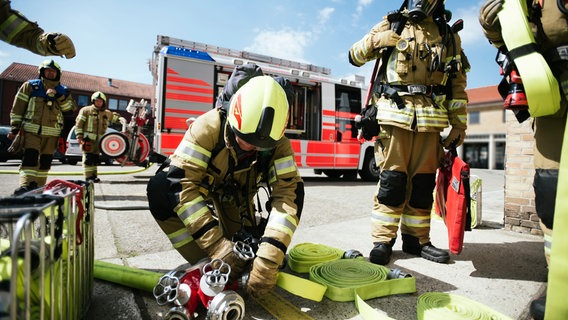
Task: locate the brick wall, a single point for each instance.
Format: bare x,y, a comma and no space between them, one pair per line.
520,213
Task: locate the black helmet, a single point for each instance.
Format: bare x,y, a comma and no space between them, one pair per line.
49,64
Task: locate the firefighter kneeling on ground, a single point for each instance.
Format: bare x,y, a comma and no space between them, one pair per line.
90,125
420,88
223,161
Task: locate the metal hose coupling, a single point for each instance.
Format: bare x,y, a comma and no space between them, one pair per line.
352,254
227,305
397,274
178,313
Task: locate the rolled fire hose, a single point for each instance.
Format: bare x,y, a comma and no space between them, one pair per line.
438,305
541,87
345,279
127,276
556,306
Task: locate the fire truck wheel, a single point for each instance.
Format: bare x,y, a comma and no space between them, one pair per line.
370,171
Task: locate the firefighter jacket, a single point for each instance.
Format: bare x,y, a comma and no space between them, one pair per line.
19,31
433,64
91,123
230,175
37,112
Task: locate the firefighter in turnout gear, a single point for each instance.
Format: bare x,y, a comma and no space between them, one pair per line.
17,30
549,25
223,161
420,90
38,110
90,125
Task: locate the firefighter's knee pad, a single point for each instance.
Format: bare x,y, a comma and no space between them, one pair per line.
91,159
30,158
392,188
45,161
163,191
545,184
423,185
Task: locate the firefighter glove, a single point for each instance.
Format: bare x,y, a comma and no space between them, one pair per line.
57,44
262,277
385,39
223,249
455,138
489,20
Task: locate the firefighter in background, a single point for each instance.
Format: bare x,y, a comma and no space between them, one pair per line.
214,188
420,91
90,125
549,24
17,30
38,109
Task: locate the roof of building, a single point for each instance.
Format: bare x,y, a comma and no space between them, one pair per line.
484,95
20,72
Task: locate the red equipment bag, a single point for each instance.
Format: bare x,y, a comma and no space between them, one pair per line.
453,198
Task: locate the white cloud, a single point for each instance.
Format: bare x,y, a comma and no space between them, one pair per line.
471,33
285,43
361,5
324,15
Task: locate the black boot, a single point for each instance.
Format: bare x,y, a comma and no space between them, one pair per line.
537,308
410,244
382,252
25,188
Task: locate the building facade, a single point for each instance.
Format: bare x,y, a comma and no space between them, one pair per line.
81,86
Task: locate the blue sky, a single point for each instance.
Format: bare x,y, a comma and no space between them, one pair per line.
116,38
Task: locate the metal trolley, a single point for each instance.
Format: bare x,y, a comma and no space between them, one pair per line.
47,252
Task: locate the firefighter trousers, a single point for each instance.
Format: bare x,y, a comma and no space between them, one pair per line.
404,196
548,135
36,162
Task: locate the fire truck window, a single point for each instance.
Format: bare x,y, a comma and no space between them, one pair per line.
296,123
347,106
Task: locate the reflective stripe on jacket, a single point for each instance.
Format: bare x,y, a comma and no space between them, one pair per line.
92,123
36,113
423,62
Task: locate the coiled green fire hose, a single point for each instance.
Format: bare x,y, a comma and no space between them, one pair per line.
438,305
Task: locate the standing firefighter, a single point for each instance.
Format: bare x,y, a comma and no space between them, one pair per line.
16,29
548,22
91,124
38,110
223,161
419,88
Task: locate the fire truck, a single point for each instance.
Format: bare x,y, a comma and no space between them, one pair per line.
188,76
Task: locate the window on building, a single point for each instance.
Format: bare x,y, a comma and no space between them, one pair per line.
113,104
473,117
82,100
122,104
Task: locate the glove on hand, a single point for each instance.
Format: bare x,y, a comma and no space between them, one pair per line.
488,17
262,277
57,44
385,39
223,249
455,138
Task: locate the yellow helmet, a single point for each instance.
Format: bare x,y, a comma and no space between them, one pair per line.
51,64
99,95
258,112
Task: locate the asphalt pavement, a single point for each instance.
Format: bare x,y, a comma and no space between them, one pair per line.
501,269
